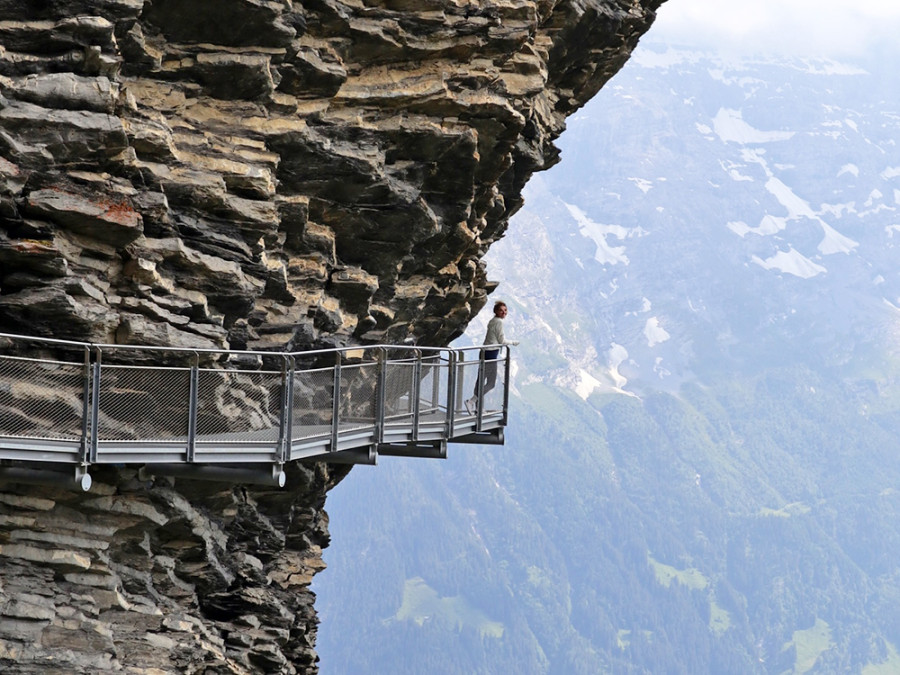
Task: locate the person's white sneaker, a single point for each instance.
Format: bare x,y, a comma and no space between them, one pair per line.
470,405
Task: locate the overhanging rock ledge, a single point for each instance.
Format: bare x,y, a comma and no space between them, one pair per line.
267,175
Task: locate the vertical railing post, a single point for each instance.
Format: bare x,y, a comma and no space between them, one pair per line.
435,382
95,404
506,380
380,394
416,394
193,403
285,432
460,381
84,451
336,403
479,386
451,394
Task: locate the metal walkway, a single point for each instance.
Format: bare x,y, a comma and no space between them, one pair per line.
235,416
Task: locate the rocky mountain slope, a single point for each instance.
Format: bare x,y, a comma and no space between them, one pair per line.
260,174
278,173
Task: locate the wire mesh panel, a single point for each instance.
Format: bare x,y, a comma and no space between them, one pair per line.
313,403
145,412
398,391
238,406
466,383
41,399
143,403
494,377
358,396
433,388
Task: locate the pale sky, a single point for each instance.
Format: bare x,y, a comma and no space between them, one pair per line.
836,28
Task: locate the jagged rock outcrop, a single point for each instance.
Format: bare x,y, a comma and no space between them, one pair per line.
259,174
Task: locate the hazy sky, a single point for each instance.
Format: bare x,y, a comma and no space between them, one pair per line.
837,28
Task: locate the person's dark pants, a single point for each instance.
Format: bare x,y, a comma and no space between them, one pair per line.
488,372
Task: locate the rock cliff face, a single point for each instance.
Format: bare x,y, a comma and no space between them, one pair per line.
249,174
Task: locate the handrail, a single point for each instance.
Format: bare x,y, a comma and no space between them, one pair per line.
248,352
177,420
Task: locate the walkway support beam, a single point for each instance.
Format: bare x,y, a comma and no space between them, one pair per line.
193,396
95,406
79,479
336,403
266,475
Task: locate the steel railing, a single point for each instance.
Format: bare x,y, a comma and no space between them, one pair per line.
238,415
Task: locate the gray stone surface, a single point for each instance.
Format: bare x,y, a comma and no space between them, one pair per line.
312,161
156,576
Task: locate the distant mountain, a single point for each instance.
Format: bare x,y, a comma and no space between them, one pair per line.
715,216
703,463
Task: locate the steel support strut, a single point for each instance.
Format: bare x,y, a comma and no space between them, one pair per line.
34,474
266,474
451,395
433,450
82,477
416,395
336,404
506,377
479,403
193,397
95,405
380,395
286,421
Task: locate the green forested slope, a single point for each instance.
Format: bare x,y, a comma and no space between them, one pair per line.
747,528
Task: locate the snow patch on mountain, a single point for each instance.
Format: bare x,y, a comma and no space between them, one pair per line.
642,184
891,304
838,210
767,226
834,242
655,333
606,254
797,208
730,127
740,81
616,356
721,66
586,384
791,262
658,368
646,306
829,67
732,169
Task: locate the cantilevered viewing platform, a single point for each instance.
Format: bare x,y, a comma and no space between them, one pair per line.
236,416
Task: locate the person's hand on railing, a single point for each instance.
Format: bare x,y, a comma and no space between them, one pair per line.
514,343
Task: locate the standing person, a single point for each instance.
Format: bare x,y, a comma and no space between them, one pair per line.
488,373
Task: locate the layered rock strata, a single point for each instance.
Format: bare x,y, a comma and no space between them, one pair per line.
269,172
140,577
250,174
